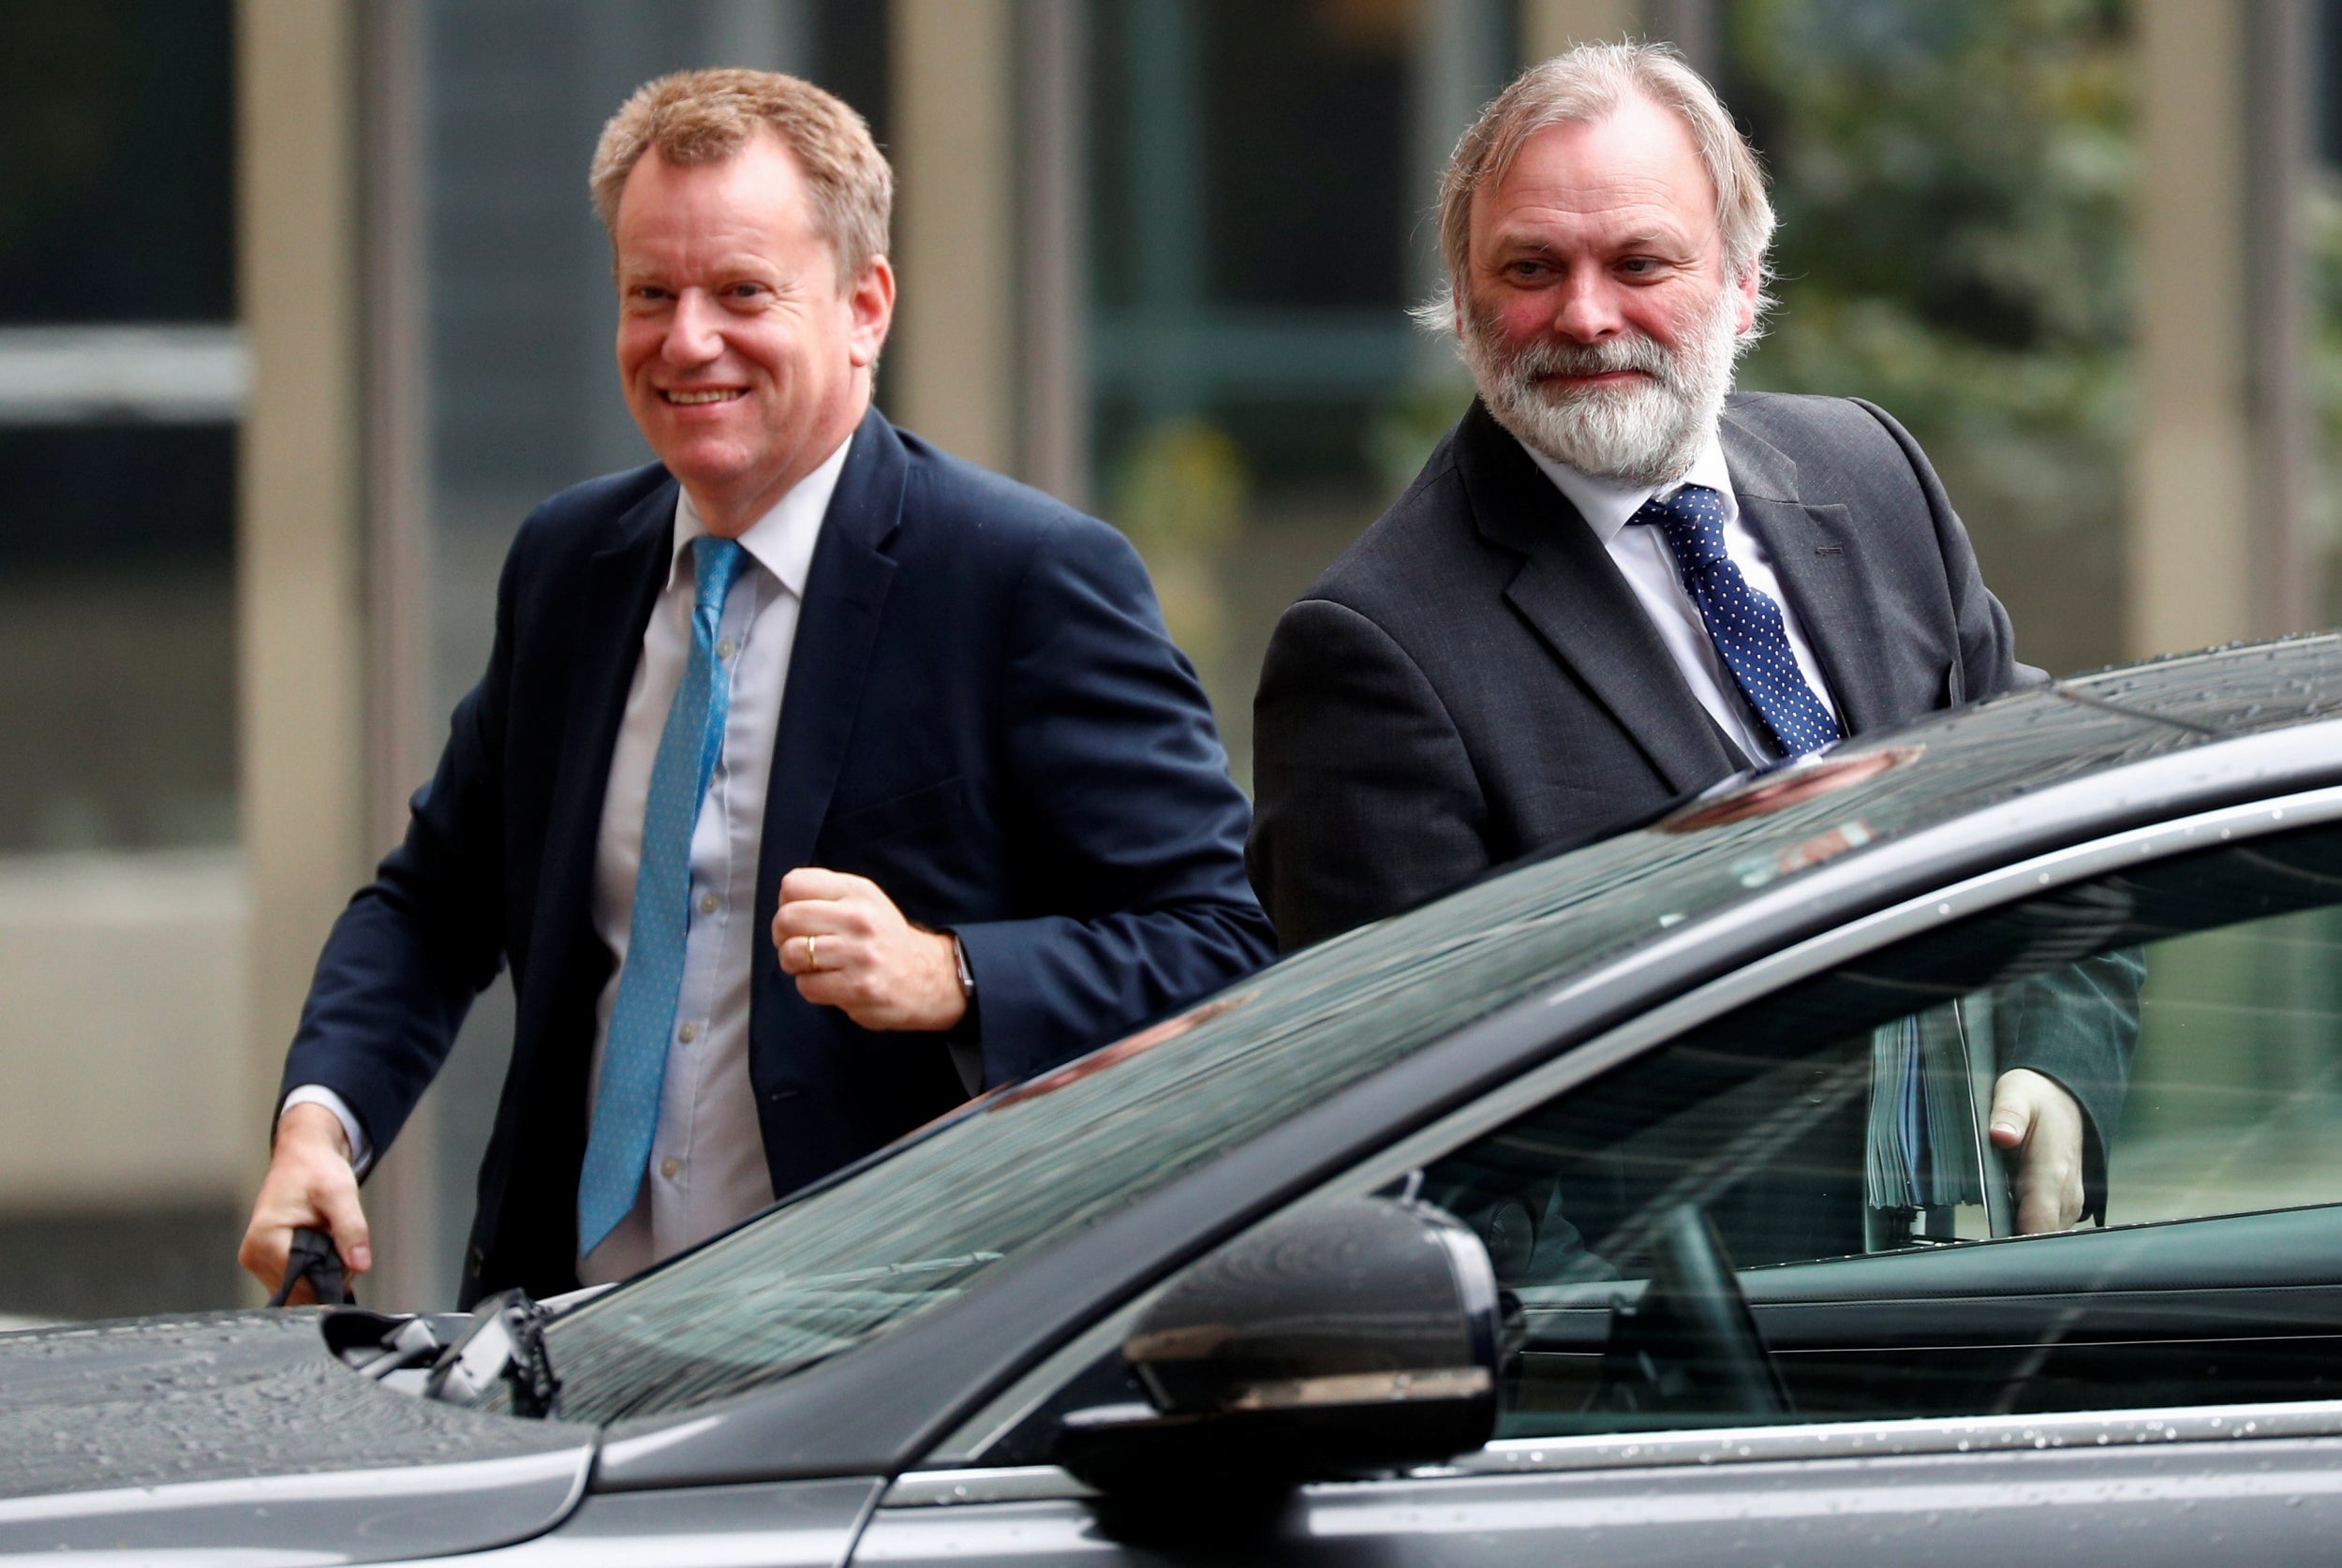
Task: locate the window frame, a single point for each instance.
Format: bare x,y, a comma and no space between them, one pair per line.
962,1453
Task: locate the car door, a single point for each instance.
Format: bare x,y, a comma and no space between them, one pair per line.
2161,1384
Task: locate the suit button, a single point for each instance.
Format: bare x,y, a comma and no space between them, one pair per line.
478,1260
668,1167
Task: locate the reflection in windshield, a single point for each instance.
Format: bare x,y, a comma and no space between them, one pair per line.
1789,784
1121,1051
926,1223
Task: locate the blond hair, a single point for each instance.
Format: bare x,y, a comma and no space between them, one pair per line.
707,116
1588,83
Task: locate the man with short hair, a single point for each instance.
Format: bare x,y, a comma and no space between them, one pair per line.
1615,582
817,778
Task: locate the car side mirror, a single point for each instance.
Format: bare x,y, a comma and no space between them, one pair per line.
1351,1337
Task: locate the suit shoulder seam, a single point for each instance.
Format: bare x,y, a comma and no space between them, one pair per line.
1887,424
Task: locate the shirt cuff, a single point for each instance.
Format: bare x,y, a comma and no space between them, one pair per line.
361,1153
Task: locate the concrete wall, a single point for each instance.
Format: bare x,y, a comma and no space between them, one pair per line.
127,1149
122,1034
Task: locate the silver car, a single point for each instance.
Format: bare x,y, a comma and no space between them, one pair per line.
1637,1204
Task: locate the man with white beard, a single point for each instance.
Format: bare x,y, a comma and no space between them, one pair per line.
1614,585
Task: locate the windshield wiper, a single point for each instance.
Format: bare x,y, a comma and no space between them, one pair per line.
503,1347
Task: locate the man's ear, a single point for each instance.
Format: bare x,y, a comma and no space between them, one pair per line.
871,300
1750,288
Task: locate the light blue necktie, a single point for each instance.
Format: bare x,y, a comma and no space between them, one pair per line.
634,1059
1744,624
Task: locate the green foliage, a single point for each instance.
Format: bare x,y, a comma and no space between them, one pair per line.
1953,187
1953,184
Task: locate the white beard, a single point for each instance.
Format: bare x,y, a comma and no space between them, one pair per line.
1647,432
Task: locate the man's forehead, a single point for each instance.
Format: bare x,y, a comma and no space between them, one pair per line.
760,178
1635,168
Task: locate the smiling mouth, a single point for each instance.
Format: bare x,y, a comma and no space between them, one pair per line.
692,399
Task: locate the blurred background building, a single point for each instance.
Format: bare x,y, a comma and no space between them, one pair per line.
302,305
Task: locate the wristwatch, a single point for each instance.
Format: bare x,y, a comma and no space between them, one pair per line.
962,1039
967,975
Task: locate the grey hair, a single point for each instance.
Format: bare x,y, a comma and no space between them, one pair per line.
1588,83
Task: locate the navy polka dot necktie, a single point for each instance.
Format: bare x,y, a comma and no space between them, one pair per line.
1744,624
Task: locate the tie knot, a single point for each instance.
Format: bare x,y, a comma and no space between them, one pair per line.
715,562
1691,521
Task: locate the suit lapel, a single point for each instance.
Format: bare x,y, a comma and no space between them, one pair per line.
845,595
1817,555
1571,594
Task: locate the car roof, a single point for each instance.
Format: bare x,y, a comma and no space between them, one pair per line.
2231,690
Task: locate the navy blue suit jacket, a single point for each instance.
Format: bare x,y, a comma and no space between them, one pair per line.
984,715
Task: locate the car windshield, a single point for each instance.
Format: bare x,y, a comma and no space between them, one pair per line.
1033,1162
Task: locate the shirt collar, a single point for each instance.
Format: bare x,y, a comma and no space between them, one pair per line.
1606,505
781,541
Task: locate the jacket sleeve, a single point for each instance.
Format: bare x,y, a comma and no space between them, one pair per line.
1367,803
416,945
1125,823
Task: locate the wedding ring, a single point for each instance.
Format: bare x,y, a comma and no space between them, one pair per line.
812,963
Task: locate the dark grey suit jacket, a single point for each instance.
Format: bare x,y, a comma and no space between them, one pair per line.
1473,680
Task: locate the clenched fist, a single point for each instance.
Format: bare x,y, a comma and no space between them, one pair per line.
852,949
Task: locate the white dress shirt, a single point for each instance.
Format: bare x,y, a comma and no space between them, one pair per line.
1642,554
707,1169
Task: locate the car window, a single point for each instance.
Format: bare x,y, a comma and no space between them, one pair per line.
1834,1141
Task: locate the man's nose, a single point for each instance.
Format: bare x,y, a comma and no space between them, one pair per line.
1587,307
694,335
